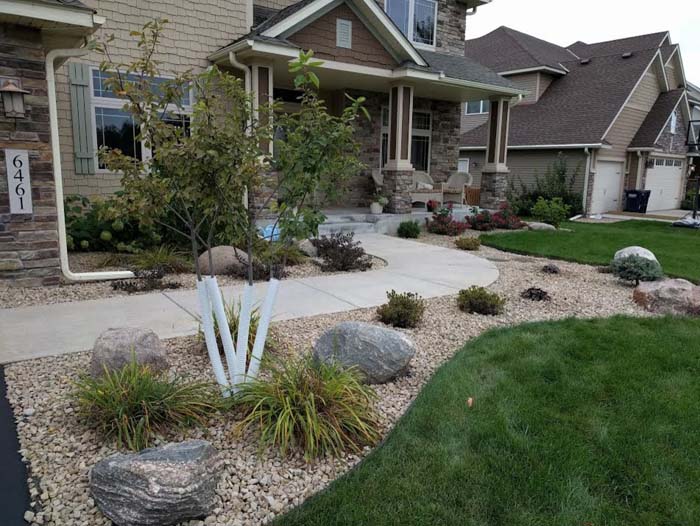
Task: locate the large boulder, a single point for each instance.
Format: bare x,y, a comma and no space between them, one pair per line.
308,248
225,260
380,354
545,227
669,296
635,251
115,348
159,486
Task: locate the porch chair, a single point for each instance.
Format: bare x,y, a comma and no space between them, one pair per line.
453,189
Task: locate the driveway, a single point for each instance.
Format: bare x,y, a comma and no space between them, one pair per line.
431,271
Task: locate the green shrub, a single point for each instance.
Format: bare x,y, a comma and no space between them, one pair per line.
553,212
468,243
132,404
340,253
409,230
688,202
166,258
635,269
478,300
402,310
309,406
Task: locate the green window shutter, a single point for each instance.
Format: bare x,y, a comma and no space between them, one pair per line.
82,120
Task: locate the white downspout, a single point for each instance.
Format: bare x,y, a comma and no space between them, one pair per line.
584,200
246,71
51,58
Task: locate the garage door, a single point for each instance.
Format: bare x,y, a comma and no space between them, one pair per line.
607,187
664,180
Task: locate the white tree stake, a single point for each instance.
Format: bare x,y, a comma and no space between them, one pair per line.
224,329
263,326
210,337
243,333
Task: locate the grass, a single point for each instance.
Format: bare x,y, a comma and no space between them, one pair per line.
677,249
581,423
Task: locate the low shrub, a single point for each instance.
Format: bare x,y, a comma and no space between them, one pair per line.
550,268
553,212
402,310
535,294
133,404
146,281
443,224
506,218
478,300
309,406
341,253
166,258
483,221
635,269
409,230
468,243
277,253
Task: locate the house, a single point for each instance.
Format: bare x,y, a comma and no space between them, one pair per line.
618,110
405,56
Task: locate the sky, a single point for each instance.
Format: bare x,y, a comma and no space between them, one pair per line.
566,21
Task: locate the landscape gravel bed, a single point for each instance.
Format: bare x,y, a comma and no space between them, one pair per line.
11,297
257,485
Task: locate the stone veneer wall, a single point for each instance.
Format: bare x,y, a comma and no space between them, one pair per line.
675,143
195,30
28,242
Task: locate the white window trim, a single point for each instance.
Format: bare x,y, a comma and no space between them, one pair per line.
338,42
118,104
420,133
468,161
411,22
484,107
674,123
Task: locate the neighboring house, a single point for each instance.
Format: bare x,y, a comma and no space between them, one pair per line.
412,48
618,110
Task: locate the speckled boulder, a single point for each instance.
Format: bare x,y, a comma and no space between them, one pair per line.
224,260
380,354
669,296
115,348
635,251
158,486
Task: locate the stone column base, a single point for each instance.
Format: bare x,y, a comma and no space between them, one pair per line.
397,186
494,188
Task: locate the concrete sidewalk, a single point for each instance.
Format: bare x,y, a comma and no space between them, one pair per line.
46,330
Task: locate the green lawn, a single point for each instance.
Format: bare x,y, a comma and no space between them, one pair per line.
677,249
581,423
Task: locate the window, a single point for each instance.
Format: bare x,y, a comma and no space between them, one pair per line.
115,128
343,33
463,165
659,162
476,107
421,134
417,19
677,163
674,123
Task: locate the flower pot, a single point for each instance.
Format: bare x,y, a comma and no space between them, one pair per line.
376,208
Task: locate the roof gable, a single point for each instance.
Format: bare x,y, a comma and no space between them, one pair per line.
657,118
524,51
293,18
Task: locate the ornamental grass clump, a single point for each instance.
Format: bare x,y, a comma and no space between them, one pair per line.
309,406
131,405
403,310
468,243
409,230
170,260
478,300
636,269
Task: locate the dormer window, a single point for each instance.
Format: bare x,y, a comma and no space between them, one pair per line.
417,19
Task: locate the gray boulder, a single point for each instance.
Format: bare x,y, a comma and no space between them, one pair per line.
541,227
158,486
380,354
225,260
308,248
115,348
669,296
635,251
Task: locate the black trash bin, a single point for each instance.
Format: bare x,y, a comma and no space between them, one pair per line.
637,200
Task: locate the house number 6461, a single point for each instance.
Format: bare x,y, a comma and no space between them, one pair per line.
19,184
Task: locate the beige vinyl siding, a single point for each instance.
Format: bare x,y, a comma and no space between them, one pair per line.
469,122
194,30
632,116
545,81
673,73
275,4
526,165
529,82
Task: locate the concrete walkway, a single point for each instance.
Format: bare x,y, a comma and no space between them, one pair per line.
431,271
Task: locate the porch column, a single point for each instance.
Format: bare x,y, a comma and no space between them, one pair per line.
398,172
262,85
494,176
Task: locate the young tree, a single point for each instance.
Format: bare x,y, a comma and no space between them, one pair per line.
206,173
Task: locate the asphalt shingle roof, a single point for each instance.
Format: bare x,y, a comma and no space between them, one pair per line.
68,3
619,46
656,119
464,68
505,49
578,107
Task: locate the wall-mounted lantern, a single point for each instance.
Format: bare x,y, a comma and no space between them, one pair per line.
12,97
